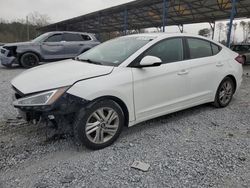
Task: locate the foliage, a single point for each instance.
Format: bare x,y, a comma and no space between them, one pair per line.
21,30
206,32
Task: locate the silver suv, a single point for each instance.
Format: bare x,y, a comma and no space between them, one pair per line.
47,47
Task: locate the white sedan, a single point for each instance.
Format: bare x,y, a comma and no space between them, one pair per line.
128,80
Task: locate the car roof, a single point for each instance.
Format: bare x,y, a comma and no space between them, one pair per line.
53,32
165,35
162,35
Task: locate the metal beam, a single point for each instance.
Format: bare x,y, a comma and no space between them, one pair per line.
212,25
233,12
164,12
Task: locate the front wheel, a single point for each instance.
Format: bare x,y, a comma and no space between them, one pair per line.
29,60
99,124
224,93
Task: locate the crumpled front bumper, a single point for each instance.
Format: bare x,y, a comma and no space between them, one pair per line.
5,59
66,104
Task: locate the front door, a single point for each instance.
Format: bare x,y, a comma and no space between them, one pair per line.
160,90
53,47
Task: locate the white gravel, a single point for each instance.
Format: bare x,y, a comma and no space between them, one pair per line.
198,147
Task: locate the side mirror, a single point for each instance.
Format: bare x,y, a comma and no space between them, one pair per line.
150,61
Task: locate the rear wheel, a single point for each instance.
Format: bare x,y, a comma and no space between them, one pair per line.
29,60
99,125
224,93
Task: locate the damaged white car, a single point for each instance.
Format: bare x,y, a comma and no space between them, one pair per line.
128,80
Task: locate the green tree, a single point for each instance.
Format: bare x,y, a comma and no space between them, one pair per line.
206,32
17,30
220,27
243,24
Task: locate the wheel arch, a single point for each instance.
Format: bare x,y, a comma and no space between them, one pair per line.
29,51
120,103
233,79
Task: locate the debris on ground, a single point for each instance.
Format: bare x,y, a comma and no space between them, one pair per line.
140,166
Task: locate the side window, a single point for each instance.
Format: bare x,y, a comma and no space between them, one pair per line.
70,37
169,50
86,37
199,48
54,38
244,48
215,48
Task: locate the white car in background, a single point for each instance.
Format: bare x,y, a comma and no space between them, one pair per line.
128,80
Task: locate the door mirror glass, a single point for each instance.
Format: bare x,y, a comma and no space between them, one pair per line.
150,61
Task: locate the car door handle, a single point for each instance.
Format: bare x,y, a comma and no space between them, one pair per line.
81,44
183,72
219,64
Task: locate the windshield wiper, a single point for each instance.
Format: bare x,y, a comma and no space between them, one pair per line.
88,60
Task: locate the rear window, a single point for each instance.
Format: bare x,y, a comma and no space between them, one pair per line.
86,37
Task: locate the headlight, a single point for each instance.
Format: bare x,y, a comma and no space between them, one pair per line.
45,98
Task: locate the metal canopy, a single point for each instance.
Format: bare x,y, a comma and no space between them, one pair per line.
153,13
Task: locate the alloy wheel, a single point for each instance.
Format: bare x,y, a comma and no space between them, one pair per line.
102,125
226,92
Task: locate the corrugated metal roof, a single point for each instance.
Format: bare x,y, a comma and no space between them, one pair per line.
149,13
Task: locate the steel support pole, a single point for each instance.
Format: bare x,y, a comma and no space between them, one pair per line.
233,12
125,21
164,12
212,25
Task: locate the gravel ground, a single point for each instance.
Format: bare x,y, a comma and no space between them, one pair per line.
198,147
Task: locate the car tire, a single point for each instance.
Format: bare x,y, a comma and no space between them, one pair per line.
99,124
29,60
224,93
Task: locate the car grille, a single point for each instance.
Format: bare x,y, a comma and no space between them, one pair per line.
3,51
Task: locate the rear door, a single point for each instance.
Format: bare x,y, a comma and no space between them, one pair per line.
73,44
205,67
52,47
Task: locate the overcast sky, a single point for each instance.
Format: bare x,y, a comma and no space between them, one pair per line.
58,10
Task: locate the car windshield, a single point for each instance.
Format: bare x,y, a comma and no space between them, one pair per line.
40,37
115,51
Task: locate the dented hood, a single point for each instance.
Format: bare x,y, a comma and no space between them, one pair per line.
55,75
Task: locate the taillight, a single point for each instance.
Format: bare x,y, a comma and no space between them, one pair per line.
240,59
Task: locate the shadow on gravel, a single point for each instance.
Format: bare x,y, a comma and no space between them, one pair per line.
169,118
15,67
